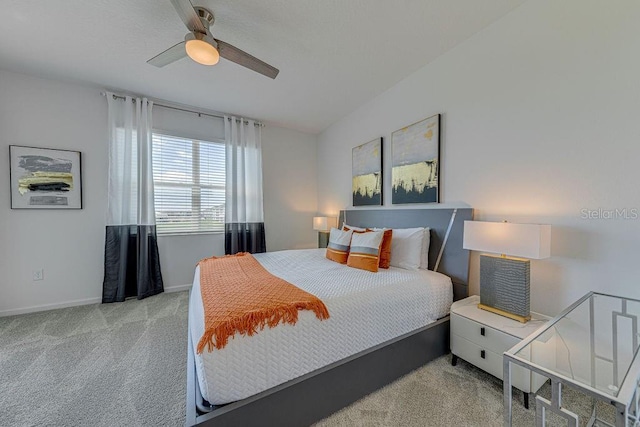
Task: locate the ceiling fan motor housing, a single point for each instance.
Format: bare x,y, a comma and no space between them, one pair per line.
206,16
195,35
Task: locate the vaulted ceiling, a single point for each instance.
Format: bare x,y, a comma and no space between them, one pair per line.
333,55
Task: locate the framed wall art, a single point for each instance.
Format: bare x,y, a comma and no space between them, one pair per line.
415,162
366,172
45,178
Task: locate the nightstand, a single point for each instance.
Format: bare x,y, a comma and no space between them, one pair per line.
480,337
323,239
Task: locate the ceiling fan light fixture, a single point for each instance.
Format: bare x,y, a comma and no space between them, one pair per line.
202,48
201,51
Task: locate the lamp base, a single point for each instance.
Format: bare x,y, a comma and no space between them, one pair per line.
504,286
323,239
521,319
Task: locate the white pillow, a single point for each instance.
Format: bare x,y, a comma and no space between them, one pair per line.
424,256
351,227
406,247
338,247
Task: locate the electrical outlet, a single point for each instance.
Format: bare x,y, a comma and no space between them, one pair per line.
38,274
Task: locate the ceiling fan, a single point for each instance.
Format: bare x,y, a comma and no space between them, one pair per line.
200,46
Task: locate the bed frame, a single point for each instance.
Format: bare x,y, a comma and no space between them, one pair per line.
311,397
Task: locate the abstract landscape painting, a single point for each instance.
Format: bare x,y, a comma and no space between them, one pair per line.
43,178
415,162
366,183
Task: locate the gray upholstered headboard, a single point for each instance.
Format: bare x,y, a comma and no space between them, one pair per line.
445,223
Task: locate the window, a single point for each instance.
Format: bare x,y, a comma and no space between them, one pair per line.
189,177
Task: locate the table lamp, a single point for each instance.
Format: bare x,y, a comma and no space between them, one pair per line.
504,280
323,224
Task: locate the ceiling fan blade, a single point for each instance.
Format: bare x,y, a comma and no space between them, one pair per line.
188,15
170,55
241,57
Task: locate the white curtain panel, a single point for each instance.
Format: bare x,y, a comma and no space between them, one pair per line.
131,258
244,217
243,171
130,162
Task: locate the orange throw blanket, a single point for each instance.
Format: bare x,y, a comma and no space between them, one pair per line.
240,295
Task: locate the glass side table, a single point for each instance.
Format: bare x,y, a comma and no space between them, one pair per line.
592,347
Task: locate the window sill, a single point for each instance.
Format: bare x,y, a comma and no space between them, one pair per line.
200,233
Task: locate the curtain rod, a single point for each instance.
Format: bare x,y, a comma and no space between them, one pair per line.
199,113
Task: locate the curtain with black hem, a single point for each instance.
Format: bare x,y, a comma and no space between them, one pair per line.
132,263
131,259
244,237
244,216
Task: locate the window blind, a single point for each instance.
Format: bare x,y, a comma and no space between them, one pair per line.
189,180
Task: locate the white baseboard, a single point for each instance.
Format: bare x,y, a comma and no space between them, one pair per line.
45,307
75,303
177,288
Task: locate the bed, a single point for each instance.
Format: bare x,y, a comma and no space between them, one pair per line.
382,326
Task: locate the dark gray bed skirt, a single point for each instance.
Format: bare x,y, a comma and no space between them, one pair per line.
131,263
313,396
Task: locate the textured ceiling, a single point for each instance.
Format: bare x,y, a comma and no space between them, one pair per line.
333,55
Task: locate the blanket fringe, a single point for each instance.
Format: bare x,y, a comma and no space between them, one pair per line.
250,323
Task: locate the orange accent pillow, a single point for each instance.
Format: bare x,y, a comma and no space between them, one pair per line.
385,246
338,247
365,250
385,249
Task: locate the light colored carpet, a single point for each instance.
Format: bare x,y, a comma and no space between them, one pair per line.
119,364
124,364
439,394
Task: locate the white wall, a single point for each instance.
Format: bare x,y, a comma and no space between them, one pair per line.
540,120
69,245
290,188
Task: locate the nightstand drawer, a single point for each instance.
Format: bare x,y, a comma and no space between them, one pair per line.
480,334
491,362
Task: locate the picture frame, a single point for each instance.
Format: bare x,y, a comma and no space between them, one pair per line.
415,162
45,178
366,173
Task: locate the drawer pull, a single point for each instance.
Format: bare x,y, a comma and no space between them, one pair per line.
482,331
482,354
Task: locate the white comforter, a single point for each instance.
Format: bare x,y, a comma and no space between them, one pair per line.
366,309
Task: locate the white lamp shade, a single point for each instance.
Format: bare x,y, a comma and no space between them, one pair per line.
324,223
531,241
